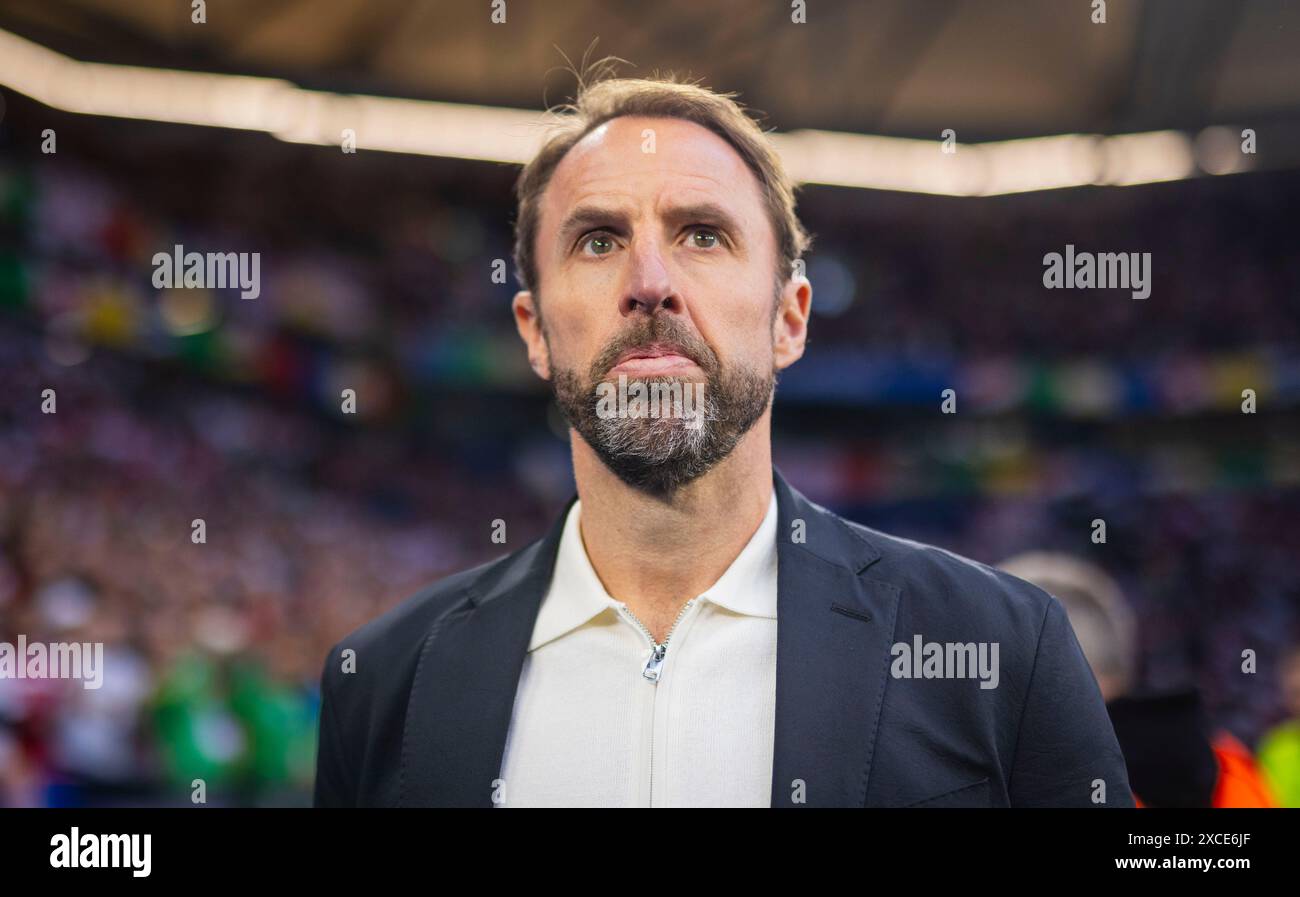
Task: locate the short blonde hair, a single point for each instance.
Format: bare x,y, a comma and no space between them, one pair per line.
666,97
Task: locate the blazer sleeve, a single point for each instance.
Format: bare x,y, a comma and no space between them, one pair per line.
1066,749
334,783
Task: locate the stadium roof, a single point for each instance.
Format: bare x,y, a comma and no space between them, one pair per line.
993,69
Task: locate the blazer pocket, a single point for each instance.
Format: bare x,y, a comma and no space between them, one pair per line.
976,794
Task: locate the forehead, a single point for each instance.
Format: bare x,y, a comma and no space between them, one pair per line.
688,161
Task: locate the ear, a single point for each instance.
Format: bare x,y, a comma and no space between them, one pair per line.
790,329
529,324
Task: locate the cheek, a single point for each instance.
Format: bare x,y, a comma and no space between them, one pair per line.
741,336
741,311
575,333
589,291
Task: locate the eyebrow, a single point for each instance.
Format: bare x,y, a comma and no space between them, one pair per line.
705,213
585,218
590,217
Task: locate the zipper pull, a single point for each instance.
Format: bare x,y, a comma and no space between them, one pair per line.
656,660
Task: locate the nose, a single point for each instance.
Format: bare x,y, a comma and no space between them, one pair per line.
650,289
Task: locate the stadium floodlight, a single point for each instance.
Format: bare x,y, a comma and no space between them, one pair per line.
487,133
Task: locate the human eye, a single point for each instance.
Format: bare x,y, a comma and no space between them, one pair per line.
705,237
597,243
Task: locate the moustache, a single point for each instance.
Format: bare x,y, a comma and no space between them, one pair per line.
656,336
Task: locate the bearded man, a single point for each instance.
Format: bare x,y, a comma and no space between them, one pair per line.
692,631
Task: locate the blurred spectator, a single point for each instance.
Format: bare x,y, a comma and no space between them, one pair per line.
1173,761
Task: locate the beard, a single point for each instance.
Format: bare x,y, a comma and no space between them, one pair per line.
660,454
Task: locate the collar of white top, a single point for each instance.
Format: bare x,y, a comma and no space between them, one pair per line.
576,594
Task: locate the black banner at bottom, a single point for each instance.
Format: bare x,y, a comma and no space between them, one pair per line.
207,847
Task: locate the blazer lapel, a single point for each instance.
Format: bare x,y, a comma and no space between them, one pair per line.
834,631
458,714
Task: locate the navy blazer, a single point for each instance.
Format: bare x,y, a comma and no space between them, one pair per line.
421,719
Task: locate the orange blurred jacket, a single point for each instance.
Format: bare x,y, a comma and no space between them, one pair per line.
1239,783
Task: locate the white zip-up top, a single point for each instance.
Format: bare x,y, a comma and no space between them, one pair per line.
603,716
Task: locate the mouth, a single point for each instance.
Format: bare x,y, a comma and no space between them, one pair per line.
656,359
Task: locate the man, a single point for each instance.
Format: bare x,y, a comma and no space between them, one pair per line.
693,631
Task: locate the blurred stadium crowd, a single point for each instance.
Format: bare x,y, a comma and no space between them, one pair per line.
186,404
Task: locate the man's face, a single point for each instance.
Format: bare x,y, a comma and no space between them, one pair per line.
657,263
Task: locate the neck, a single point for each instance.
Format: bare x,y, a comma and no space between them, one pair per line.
656,553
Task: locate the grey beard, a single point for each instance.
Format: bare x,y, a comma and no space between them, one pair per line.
659,455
